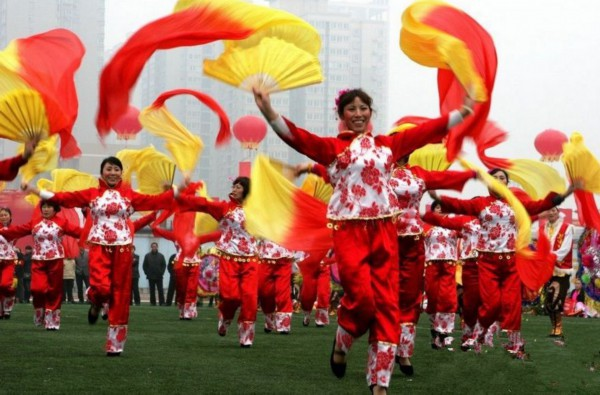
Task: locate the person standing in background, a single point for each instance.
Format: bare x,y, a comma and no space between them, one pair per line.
68,279
135,278
19,275
172,280
82,273
27,273
154,267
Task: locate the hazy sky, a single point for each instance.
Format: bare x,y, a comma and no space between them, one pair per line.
548,57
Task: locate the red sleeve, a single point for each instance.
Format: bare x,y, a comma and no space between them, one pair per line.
535,207
456,222
217,210
165,234
449,179
69,228
142,202
73,199
404,143
17,231
143,221
321,171
323,150
210,237
463,206
9,168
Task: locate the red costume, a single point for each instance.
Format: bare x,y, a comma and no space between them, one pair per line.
361,212
46,265
110,235
8,259
9,168
238,272
499,282
316,285
409,184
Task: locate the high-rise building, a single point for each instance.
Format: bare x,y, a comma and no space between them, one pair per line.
22,18
354,53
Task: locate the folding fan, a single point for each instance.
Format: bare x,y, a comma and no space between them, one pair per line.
129,160
68,180
537,178
44,158
317,187
43,183
581,164
156,171
204,223
431,157
22,115
272,64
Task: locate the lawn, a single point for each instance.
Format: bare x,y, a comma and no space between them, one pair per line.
164,355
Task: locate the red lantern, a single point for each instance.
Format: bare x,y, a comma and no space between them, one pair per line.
250,130
128,126
549,143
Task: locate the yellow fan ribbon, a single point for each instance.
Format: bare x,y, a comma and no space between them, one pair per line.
537,178
44,158
581,164
432,47
431,157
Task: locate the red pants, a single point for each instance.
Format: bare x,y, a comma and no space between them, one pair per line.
110,280
440,287
316,284
47,284
238,285
275,286
412,283
186,283
500,290
367,258
470,296
7,274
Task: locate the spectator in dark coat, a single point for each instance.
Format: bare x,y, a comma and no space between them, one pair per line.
154,267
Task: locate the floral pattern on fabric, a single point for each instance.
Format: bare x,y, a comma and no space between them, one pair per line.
444,322
196,258
498,228
38,316
441,244
359,176
47,237
283,322
190,311
246,333
468,240
115,338
409,190
235,240
381,364
406,347
270,322
110,215
343,340
52,319
6,247
222,326
269,250
7,304
321,317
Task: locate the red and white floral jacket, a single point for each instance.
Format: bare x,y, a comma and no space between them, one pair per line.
47,236
7,251
441,244
270,250
468,229
410,183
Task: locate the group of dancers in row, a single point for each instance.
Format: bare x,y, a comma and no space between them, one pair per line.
385,256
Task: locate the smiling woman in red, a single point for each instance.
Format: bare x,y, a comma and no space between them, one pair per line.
109,233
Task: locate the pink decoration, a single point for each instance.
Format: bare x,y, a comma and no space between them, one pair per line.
128,126
250,130
549,143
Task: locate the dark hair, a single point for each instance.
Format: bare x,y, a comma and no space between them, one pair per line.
50,203
113,160
347,97
29,248
7,210
496,170
435,204
245,183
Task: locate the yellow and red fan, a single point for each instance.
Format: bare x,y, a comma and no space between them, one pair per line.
581,164
431,157
317,187
273,64
130,160
44,158
204,223
155,172
37,88
64,180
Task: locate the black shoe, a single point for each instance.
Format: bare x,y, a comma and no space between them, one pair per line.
7,316
245,345
284,332
51,329
93,314
104,317
267,330
113,354
338,369
408,370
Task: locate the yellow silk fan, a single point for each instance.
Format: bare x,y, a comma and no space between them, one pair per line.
537,178
184,147
129,160
581,164
273,64
2,185
69,180
22,115
43,183
431,157
286,170
155,171
44,158
204,223
317,187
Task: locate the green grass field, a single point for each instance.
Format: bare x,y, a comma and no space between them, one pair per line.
164,355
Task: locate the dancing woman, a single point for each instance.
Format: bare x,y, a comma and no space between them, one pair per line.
110,236
361,212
